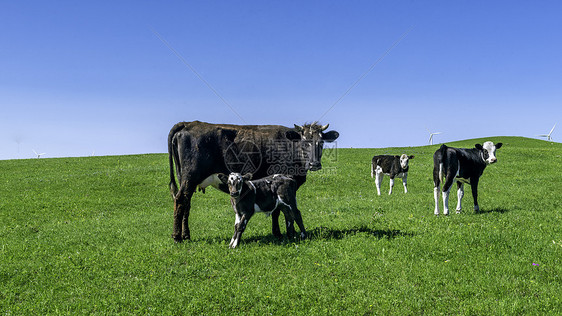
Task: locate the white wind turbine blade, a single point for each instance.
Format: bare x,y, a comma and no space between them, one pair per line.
431,136
548,136
551,130
37,154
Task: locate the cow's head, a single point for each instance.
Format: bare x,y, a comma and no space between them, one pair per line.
311,139
235,182
404,160
488,151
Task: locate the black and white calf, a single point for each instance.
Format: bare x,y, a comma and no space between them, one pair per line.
393,166
463,165
276,192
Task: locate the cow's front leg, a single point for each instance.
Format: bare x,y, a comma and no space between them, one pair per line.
391,185
275,224
239,227
405,183
460,194
474,187
298,219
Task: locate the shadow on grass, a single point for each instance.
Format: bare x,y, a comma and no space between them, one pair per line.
318,233
494,210
330,233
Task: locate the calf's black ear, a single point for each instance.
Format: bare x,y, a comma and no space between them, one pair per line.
499,145
292,135
247,176
479,147
223,177
330,136
411,157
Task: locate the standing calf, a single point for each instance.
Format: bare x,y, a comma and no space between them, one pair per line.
277,192
465,166
393,166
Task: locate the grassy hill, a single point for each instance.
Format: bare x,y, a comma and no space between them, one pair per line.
92,235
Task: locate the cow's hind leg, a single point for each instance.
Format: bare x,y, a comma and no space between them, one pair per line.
289,223
295,213
436,193
298,219
378,181
460,194
275,224
182,206
436,186
446,190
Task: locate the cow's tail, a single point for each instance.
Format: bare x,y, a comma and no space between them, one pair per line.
440,161
443,153
173,155
374,164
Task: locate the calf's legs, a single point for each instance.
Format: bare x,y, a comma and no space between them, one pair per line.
378,181
460,194
275,224
239,227
474,187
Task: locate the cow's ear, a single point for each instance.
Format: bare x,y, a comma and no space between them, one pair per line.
396,156
411,157
330,136
247,176
499,145
479,147
223,177
292,135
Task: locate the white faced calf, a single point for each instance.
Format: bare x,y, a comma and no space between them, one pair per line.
393,166
463,165
263,195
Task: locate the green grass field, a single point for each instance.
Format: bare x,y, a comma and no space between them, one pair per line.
92,235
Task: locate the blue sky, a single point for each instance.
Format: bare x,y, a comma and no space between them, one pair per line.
78,78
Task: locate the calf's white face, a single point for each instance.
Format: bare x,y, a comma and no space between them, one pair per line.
404,161
489,152
235,182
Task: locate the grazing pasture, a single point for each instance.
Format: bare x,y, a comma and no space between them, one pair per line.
92,235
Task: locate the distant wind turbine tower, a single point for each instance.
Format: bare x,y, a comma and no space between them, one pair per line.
548,138
431,136
38,155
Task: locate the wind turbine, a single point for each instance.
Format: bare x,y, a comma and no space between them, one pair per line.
431,136
38,155
548,138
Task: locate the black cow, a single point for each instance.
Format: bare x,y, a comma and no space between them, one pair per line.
463,165
276,192
393,166
201,150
